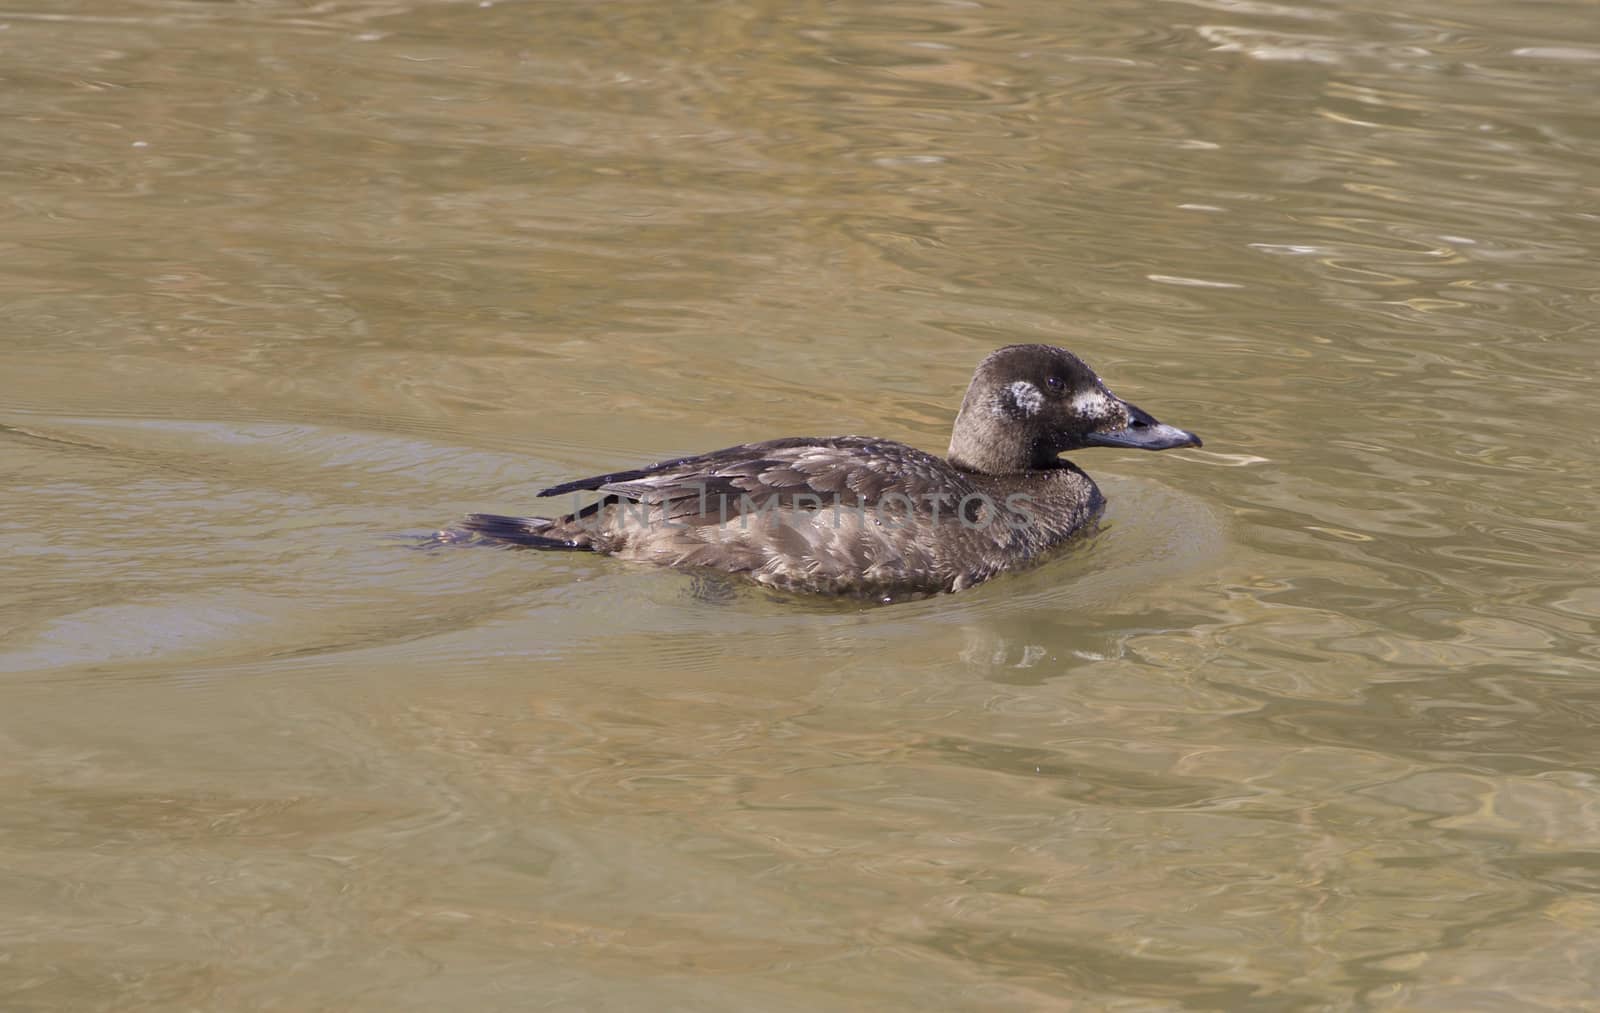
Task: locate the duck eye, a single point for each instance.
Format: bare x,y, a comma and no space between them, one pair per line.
1055,383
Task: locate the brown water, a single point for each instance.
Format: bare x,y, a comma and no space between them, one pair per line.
1312,725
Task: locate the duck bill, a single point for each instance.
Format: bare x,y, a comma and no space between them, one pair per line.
1143,432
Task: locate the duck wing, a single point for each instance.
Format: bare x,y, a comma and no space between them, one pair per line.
802,472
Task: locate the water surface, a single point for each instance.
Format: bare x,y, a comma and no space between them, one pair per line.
1309,725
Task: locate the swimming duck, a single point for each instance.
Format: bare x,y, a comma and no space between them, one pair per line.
857,515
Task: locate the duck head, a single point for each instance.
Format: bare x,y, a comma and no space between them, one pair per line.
1029,403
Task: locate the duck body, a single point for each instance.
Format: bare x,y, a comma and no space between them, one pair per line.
862,516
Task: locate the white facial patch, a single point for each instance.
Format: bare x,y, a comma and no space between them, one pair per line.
1028,398
1091,404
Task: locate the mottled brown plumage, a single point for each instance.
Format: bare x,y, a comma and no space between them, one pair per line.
866,516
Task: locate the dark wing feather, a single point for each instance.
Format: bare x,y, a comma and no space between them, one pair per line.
599,481
852,470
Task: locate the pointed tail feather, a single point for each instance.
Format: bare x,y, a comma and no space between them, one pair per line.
526,531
